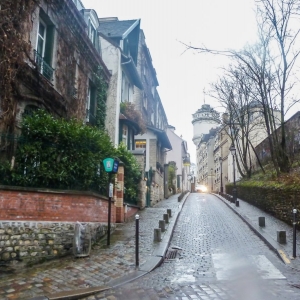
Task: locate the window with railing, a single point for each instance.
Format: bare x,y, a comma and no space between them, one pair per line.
44,48
91,105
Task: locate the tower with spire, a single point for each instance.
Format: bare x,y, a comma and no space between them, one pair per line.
204,119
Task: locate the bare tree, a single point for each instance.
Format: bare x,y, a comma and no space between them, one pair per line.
242,120
269,64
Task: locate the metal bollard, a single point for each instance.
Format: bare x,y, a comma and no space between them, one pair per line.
169,212
162,225
137,261
281,237
157,235
237,203
294,232
261,221
166,218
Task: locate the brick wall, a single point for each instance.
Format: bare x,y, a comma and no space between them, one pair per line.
47,205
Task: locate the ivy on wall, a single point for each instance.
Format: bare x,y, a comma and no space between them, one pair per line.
14,48
101,94
129,111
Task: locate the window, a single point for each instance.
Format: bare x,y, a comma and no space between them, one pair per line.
92,33
91,105
44,48
124,134
140,144
145,100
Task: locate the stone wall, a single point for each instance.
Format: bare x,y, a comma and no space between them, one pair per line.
26,243
38,224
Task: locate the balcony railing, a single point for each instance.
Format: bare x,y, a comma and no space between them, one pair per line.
43,67
90,118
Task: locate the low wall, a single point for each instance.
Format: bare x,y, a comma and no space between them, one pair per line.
25,204
26,243
38,224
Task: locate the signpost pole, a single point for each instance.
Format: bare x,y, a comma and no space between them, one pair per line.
109,209
111,166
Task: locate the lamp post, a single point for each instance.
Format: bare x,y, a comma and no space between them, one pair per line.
211,178
221,171
233,153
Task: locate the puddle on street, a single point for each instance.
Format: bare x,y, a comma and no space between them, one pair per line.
184,278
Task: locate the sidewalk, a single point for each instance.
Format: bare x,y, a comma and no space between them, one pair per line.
268,233
71,278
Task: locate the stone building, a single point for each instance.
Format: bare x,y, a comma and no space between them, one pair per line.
59,58
119,41
154,140
205,159
133,83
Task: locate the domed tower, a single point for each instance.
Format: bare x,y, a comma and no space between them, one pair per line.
204,119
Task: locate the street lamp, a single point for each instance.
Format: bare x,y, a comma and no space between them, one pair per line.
233,153
211,178
221,171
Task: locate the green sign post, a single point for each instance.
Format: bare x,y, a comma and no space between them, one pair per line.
111,166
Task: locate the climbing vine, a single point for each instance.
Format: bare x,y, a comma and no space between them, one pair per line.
101,94
14,48
21,79
128,109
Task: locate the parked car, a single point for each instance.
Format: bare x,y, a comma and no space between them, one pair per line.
201,189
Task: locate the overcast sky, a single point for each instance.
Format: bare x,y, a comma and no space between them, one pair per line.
183,76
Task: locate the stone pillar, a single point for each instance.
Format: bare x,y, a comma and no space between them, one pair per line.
119,194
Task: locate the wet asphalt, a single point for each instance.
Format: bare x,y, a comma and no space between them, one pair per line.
106,268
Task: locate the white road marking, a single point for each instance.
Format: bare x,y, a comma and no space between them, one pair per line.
238,267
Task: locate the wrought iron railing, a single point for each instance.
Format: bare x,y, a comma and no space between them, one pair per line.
90,118
43,67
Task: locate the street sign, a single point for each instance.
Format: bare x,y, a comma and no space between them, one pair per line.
111,165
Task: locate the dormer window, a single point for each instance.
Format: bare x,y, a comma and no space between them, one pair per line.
92,33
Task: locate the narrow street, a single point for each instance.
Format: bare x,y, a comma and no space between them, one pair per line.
213,255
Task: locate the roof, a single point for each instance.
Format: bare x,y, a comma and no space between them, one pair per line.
130,123
131,71
162,137
117,29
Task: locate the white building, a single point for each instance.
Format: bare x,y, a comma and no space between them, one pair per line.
180,156
204,119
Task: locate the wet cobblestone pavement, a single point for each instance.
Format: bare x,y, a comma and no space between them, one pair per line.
221,258
100,267
217,256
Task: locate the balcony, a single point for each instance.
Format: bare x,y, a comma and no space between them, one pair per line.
43,67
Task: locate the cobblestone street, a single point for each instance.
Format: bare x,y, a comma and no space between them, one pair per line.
217,256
